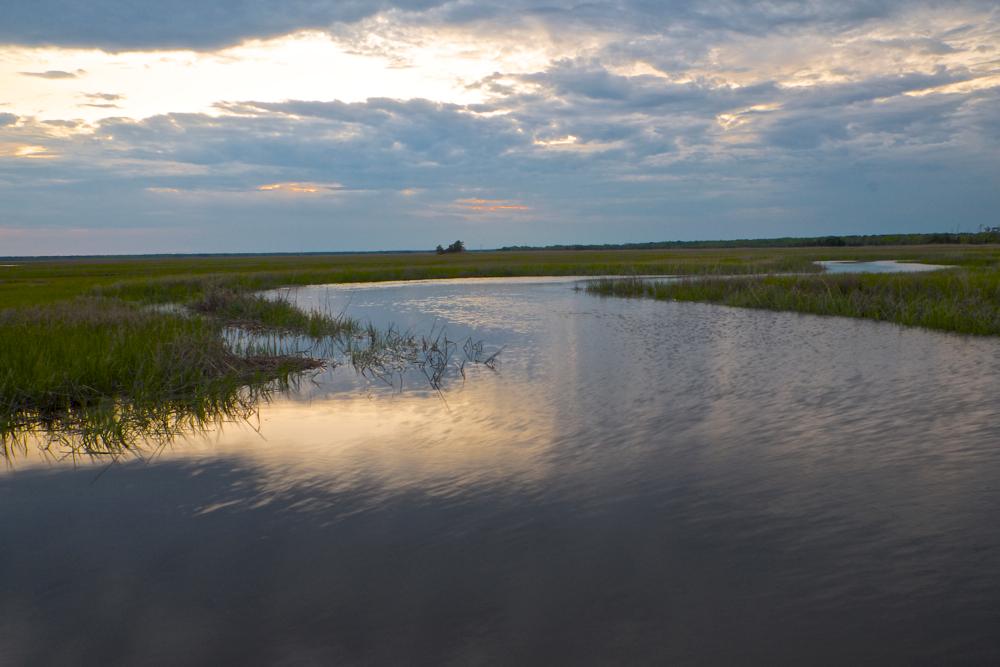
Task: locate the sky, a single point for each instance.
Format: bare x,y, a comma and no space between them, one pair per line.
130,126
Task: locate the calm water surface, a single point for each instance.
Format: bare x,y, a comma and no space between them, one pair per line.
878,266
641,482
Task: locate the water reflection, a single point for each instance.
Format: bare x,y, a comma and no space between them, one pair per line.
112,428
643,482
879,266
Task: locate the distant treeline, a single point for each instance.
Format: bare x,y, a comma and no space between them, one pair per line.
990,235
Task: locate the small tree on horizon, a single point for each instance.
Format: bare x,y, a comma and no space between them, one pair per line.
457,246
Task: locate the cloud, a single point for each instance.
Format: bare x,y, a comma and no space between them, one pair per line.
123,24
823,161
66,124
25,151
104,97
479,205
300,188
127,25
643,121
55,74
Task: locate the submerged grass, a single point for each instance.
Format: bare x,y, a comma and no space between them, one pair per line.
958,300
388,354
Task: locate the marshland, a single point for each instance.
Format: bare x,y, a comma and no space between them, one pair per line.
83,331
363,456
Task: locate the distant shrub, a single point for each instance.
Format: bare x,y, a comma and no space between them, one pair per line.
457,246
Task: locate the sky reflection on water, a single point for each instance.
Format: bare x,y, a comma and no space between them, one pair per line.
641,482
878,266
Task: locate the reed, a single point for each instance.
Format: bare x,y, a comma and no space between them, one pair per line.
961,300
71,362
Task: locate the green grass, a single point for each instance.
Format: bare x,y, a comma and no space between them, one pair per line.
176,279
165,280
957,300
105,369
254,312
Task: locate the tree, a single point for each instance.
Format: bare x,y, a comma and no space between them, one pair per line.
457,246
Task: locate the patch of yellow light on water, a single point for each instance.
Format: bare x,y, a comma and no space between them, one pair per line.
409,440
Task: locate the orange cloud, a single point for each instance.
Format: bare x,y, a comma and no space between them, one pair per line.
300,188
489,205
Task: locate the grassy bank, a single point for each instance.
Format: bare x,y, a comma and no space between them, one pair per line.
177,279
958,300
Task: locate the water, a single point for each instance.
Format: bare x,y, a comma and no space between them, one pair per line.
880,266
640,482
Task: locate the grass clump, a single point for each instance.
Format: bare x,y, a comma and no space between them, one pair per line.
78,363
961,301
256,313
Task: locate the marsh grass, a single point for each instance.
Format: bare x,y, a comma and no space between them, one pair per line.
103,369
178,279
257,312
961,301
167,282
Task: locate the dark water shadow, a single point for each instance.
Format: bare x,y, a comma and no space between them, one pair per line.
205,564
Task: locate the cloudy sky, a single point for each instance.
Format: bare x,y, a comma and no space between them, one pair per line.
249,125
